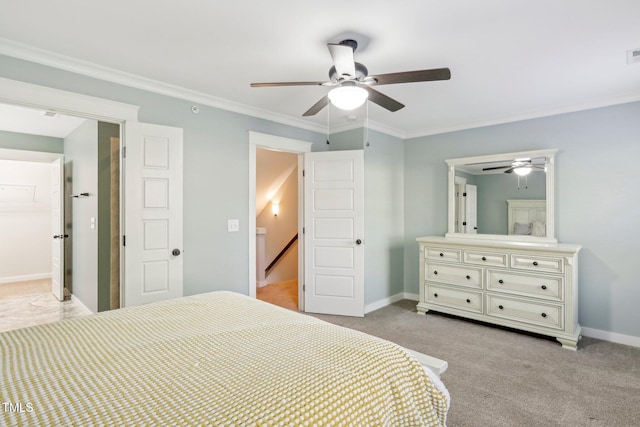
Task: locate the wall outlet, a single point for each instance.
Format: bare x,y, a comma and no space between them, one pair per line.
233,225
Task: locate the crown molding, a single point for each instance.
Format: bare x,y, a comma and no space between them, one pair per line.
533,114
90,69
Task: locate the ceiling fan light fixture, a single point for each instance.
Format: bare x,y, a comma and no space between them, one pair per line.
348,97
523,170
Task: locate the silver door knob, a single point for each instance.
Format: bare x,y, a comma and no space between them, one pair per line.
175,252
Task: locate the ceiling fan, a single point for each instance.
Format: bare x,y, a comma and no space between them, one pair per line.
521,167
352,84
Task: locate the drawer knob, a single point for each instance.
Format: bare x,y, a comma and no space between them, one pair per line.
535,263
544,314
435,295
484,258
544,287
441,254
501,281
468,277
435,271
501,307
468,300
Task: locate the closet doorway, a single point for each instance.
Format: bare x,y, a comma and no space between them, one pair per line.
90,195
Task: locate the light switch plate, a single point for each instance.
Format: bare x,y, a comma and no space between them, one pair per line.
233,225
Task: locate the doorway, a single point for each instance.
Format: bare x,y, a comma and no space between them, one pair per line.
277,266
80,253
260,141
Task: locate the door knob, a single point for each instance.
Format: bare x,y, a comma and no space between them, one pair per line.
60,236
175,252
358,242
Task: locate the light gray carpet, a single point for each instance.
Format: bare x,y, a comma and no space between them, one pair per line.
499,377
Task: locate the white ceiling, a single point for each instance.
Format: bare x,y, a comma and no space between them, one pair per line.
35,122
509,59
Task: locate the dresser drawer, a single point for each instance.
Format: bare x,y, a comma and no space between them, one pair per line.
453,255
526,284
462,299
486,258
548,315
454,274
536,263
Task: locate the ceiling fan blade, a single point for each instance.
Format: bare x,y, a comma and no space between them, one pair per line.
315,109
509,170
496,167
413,76
342,56
287,84
383,100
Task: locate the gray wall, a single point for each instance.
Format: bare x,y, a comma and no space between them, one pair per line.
495,189
23,141
597,199
81,249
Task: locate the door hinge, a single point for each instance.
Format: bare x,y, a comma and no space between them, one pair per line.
124,152
303,172
302,230
303,287
124,240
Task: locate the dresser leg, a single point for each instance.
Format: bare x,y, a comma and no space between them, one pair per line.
569,344
421,310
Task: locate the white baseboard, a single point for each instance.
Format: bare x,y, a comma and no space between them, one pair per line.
389,300
26,278
80,304
587,332
611,336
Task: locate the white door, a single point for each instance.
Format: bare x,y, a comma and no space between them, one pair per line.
152,238
57,228
471,209
334,232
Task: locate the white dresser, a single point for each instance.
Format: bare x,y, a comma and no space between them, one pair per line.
527,286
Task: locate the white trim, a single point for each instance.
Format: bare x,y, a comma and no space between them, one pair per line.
80,304
273,142
611,337
30,95
26,278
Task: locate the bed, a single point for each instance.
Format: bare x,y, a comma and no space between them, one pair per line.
527,217
219,358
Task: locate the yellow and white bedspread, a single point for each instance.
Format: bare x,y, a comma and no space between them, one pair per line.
219,359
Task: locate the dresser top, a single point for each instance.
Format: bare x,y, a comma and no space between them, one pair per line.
500,244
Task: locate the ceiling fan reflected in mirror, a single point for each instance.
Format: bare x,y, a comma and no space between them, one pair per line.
352,84
520,167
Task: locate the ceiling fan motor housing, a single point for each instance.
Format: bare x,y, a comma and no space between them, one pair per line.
361,73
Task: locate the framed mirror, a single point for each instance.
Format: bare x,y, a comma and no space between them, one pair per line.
507,196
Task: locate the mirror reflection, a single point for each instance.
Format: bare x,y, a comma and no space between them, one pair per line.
503,195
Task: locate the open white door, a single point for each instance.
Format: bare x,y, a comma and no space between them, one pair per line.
153,213
471,209
57,228
334,232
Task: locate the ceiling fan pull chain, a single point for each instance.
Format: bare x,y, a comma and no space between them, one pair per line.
328,122
367,125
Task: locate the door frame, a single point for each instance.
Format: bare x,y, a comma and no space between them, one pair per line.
276,143
16,92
